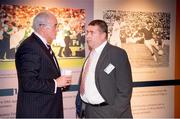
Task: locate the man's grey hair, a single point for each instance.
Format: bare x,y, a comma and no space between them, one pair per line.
41,19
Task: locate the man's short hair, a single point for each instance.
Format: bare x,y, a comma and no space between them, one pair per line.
102,24
41,18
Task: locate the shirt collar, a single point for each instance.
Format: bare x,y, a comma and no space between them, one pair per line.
42,39
101,47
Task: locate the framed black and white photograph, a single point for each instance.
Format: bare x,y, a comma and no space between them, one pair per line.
144,35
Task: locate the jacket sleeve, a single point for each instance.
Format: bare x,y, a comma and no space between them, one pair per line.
123,77
29,66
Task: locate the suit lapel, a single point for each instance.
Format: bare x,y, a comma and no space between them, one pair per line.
56,62
44,48
103,56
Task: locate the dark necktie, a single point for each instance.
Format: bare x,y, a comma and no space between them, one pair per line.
52,54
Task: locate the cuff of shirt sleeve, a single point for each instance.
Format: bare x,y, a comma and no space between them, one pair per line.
55,90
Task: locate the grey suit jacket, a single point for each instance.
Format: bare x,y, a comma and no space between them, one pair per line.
115,87
36,72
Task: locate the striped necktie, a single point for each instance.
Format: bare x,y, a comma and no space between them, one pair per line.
52,54
85,71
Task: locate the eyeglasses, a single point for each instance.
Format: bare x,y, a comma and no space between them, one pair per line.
51,26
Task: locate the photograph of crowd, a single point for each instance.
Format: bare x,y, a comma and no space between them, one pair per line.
16,22
144,35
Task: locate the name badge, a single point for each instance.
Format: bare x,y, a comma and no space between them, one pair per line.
109,68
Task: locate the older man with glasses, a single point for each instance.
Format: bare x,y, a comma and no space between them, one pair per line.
39,76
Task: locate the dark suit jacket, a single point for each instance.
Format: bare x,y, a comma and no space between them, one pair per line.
115,87
36,70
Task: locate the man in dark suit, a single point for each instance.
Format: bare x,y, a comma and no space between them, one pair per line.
106,79
39,77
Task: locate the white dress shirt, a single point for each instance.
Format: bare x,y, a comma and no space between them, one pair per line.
91,94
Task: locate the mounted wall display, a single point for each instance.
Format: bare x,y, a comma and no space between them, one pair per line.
146,38
69,46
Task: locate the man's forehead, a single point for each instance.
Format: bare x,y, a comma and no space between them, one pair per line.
91,27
